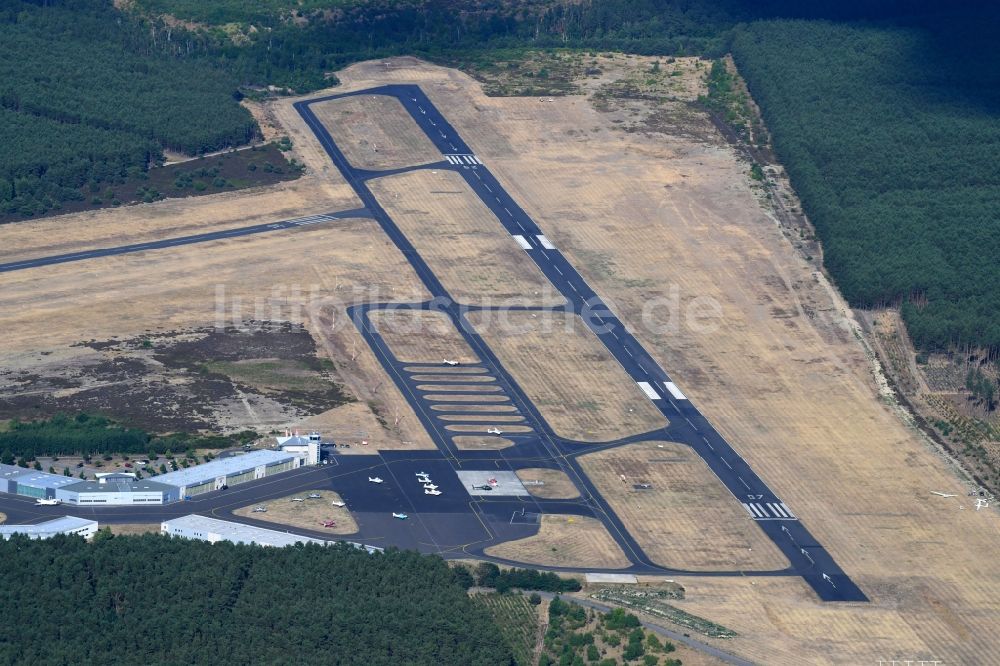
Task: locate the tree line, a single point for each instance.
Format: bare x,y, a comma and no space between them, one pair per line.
88,435
152,599
889,136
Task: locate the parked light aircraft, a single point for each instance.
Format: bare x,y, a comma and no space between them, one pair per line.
429,491
328,523
298,499
494,431
47,502
401,516
336,503
450,362
430,486
374,479
260,509
314,496
934,492
485,486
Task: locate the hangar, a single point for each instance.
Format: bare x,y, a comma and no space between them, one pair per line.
50,528
229,471
214,530
31,483
117,489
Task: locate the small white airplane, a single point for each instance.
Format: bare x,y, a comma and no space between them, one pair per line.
260,509
494,431
374,479
47,502
430,486
934,492
401,516
340,504
423,479
298,499
450,362
422,474
314,496
431,491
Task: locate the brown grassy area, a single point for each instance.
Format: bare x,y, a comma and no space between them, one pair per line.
565,541
555,483
376,132
421,336
135,528
688,519
459,237
580,389
307,515
484,443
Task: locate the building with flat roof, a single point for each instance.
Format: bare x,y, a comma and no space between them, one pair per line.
214,530
229,471
31,482
50,528
117,489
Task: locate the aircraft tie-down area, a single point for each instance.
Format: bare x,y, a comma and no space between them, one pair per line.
687,425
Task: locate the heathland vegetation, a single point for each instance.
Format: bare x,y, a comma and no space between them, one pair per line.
155,600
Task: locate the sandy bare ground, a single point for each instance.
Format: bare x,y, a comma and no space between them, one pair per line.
566,541
686,519
554,484
778,373
459,237
421,336
580,389
309,515
376,132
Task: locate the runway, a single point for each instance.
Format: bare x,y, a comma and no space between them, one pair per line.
457,524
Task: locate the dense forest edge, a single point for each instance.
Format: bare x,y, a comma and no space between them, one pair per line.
152,599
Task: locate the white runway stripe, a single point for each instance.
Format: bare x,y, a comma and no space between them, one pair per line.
647,388
787,510
776,510
545,242
523,242
674,391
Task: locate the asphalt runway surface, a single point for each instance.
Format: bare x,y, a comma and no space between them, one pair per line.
456,524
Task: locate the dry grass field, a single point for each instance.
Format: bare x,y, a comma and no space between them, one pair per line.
376,132
565,541
461,240
308,515
554,483
128,529
650,214
422,336
580,389
688,519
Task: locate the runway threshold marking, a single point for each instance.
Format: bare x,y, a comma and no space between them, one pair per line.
647,388
768,511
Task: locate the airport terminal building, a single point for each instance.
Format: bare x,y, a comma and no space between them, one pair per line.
230,471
